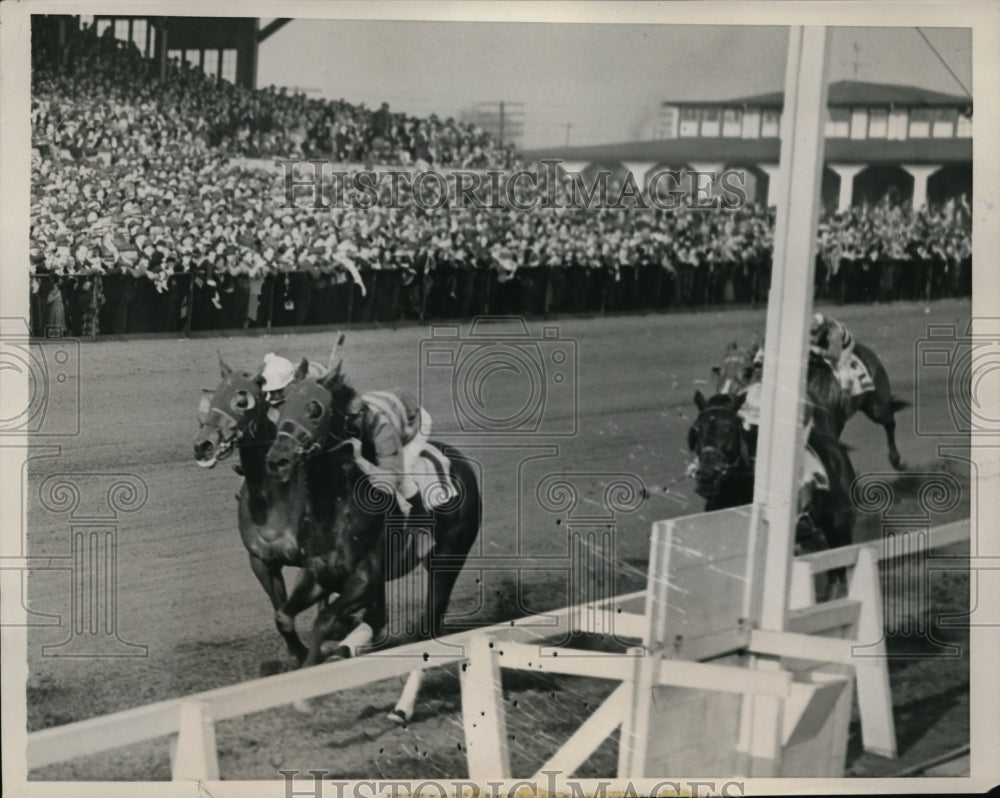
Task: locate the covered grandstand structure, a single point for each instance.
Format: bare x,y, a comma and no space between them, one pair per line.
880,138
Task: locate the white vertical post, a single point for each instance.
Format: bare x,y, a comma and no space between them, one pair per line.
483,713
846,173
195,756
871,666
789,308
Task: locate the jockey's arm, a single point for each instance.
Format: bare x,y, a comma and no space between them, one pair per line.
835,346
388,466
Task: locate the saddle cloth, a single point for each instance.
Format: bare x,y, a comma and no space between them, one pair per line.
854,376
428,472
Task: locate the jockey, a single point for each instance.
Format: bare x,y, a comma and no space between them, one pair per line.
394,427
813,476
278,373
750,409
831,340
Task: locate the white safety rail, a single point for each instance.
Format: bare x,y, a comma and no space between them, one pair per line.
191,718
108,732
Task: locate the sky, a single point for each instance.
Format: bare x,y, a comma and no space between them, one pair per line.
605,81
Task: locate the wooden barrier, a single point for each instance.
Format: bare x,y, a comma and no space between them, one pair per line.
811,635
92,736
683,693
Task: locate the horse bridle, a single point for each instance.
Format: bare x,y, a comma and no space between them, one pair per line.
226,446
744,454
298,433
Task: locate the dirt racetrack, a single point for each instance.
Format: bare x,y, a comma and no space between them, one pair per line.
185,589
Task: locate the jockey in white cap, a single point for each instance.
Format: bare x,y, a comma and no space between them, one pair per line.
278,373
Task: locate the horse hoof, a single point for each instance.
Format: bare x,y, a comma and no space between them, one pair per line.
304,706
337,654
398,717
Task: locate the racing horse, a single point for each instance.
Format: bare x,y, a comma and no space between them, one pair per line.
271,512
832,406
349,549
724,477
741,371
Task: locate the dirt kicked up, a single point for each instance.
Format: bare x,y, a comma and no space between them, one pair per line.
186,593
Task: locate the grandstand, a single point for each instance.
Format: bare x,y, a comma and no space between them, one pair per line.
147,215
879,137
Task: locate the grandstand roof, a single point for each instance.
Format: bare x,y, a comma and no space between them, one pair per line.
748,151
849,92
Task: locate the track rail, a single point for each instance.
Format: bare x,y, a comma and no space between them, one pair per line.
95,735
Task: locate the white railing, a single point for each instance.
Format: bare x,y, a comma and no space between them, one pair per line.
193,717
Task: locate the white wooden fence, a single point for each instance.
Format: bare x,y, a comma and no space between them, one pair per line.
191,718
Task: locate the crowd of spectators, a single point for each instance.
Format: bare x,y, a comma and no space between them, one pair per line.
133,178
133,102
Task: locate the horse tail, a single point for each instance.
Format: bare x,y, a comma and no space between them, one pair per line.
896,404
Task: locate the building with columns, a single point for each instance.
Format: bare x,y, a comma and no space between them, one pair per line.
880,138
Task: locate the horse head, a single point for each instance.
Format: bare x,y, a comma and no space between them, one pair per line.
227,414
716,438
736,371
315,414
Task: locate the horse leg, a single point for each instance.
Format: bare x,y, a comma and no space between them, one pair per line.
273,583
890,436
307,591
352,601
880,411
439,587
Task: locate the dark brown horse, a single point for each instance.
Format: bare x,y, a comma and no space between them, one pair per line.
724,475
831,406
271,512
352,548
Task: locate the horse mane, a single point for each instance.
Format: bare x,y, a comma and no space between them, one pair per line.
341,391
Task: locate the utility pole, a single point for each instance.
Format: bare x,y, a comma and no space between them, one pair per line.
503,119
857,58
569,127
